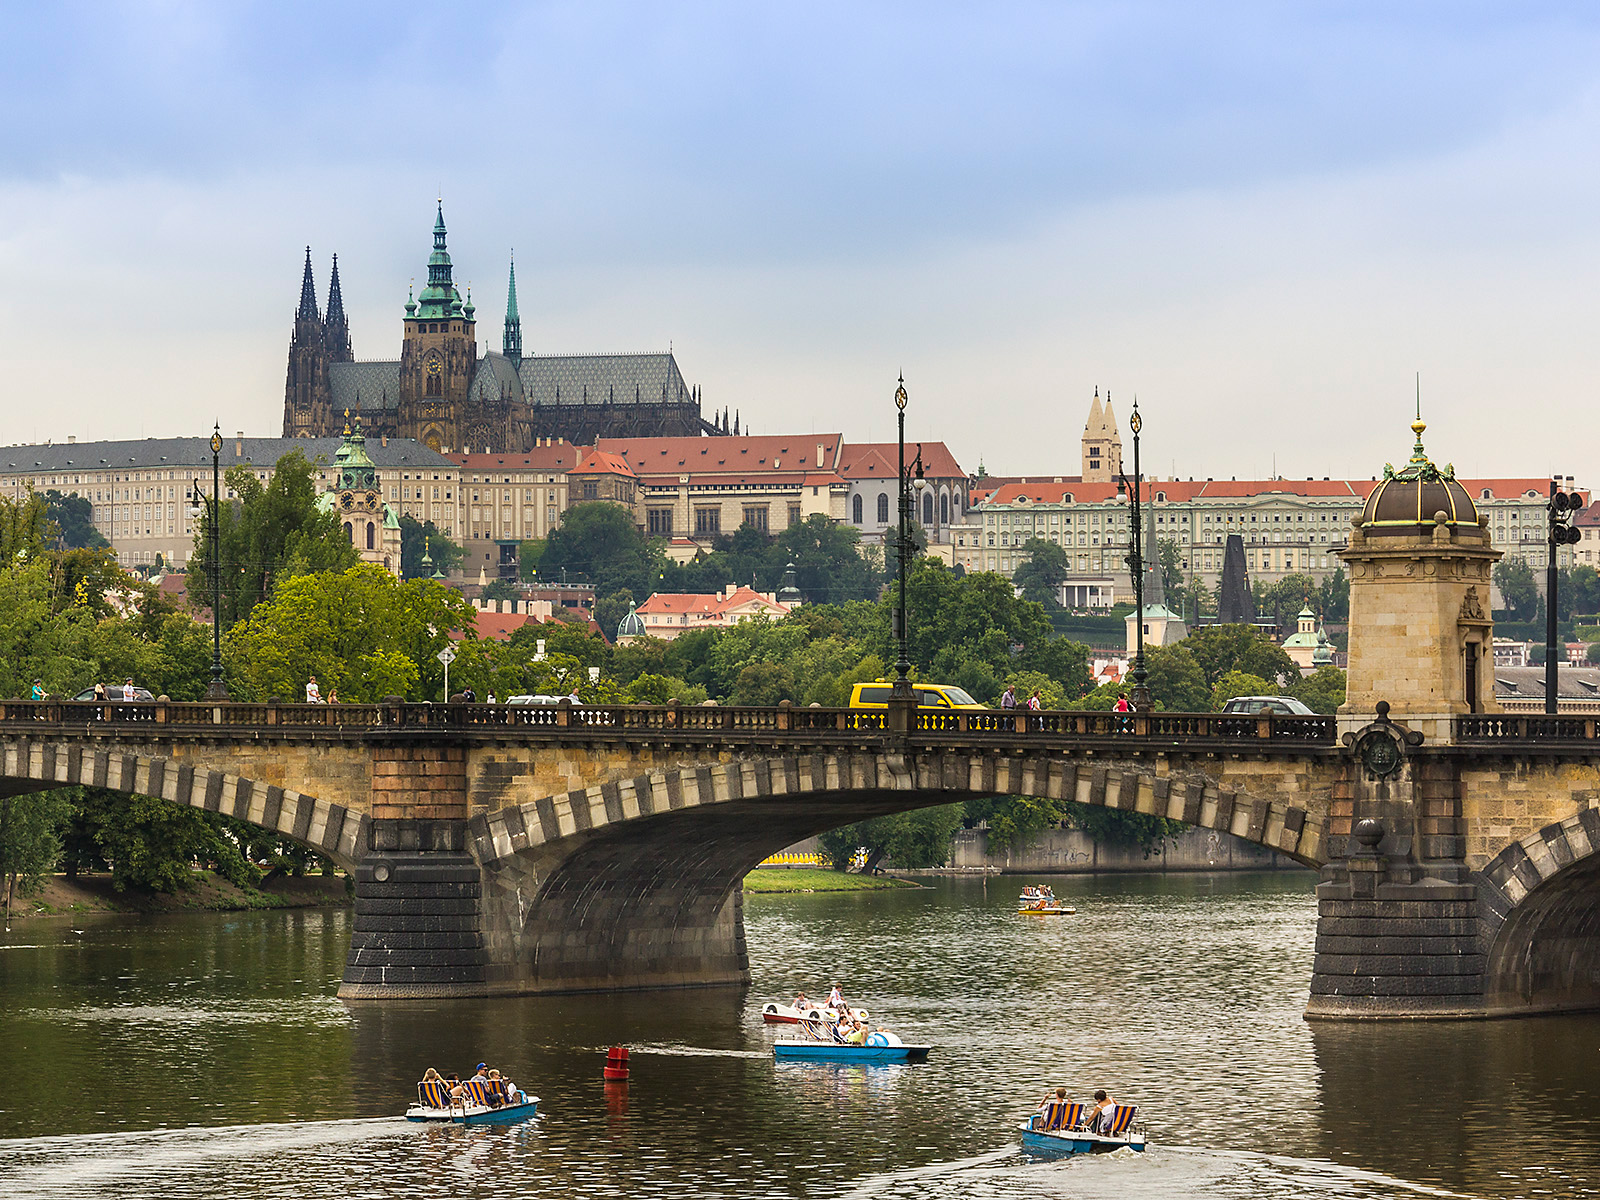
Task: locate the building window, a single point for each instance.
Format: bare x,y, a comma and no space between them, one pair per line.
944,509
755,516
794,513
591,489
660,521
883,508
856,509
707,520
927,508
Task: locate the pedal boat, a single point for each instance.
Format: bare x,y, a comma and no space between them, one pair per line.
878,1048
433,1103
785,1014
1045,910
1060,1130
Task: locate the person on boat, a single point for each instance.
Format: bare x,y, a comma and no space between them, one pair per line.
857,1035
1059,1096
481,1074
1101,1114
835,998
453,1082
430,1075
801,1004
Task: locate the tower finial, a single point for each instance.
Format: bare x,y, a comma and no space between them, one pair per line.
308,294
511,340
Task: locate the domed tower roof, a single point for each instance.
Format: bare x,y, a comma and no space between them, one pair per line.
1405,501
631,625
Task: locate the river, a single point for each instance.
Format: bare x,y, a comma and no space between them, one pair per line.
207,1055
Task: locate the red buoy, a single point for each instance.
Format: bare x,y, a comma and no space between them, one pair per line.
617,1063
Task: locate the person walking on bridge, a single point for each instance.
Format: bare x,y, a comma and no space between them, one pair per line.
1009,700
313,693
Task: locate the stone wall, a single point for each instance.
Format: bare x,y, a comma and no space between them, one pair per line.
1504,800
1073,852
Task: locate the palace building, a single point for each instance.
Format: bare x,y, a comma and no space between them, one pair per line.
443,392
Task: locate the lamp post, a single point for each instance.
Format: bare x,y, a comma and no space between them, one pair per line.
902,667
1562,507
1140,699
216,689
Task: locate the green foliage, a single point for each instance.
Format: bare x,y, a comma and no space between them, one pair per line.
1219,649
25,531
1120,827
1171,567
1283,600
1333,597
30,840
1016,821
1322,691
609,610
1239,683
419,538
500,589
1577,591
1176,681
529,554
1040,577
74,519
1514,578
764,683
360,632
273,531
599,543
909,840
1593,656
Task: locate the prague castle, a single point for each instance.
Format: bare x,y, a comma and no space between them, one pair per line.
444,393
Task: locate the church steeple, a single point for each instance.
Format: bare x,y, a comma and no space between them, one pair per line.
439,298
336,329
308,294
511,342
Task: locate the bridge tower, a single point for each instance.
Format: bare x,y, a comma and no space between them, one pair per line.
1397,904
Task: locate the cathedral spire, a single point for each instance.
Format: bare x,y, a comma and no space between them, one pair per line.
511,342
336,329
308,294
439,298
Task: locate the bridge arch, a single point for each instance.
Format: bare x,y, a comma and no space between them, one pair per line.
1539,903
611,885
28,765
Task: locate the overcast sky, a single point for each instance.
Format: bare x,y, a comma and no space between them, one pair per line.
1263,219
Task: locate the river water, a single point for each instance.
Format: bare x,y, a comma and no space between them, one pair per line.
206,1055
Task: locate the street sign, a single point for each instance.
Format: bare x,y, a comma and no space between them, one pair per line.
446,656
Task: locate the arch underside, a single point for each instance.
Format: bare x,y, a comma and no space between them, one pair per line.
329,829
639,884
1541,898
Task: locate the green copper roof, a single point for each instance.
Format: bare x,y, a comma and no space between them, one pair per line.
356,470
511,342
439,298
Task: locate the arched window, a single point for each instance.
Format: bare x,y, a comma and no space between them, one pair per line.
927,508
944,508
372,531
349,532
883,508
857,509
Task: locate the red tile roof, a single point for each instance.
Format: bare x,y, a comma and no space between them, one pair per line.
725,455
704,604
561,456
601,462
881,460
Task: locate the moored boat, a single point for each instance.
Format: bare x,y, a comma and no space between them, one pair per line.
1061,1130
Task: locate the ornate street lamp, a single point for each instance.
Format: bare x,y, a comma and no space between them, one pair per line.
216,689
1140,698
902,679
1562,507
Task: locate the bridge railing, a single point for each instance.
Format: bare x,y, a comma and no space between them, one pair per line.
1509,727
622,719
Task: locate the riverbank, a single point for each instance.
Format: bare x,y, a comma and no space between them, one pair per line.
805,879
95,894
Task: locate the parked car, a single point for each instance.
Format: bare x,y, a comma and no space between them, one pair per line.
929,695
114,692
1278,706
536,699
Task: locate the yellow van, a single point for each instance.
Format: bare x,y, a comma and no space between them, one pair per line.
929,695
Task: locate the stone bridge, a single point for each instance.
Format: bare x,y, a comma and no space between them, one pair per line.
500,849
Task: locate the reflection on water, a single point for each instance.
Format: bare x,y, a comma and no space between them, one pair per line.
206,1055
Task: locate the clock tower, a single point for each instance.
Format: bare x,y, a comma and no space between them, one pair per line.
438,356
369,523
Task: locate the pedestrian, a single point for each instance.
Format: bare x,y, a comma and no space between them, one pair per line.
127,688
468,696
313,692
1034,703
1009,700
492,700
333,695
38,691
1122,703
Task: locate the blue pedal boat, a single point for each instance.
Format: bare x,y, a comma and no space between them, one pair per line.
434,1104
877,1049
1060,1130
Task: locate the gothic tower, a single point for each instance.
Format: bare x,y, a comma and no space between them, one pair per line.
307,402
335,328
438,357
511,341
1102,444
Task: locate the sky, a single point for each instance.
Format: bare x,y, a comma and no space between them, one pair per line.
1263,220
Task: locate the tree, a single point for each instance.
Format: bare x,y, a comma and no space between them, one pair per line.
419,538
529,553
1322,691
30,840
1176,682
1041,576
609,610
1238,683
599,543
74,519
1219,649
24,529
829,568
1333,597
500,589
1514,578
275,530
1171,559
910,839
764,683
361,632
